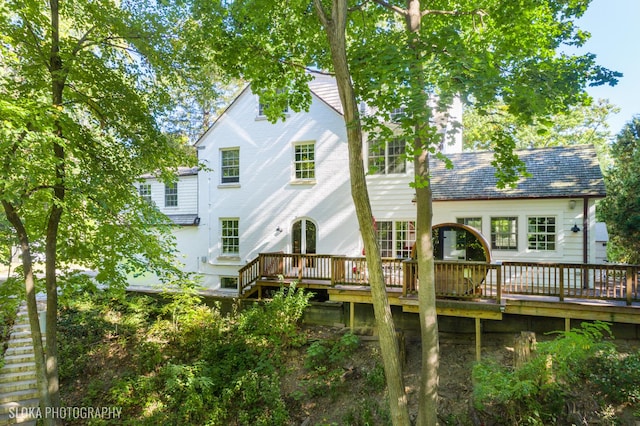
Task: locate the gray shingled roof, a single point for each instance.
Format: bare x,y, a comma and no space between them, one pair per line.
184,219
326,88
180,171
557,172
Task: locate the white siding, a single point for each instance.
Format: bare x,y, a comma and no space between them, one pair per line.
267,198
391,199
187,195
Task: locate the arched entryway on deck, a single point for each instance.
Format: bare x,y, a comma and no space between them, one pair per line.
304,237
456,241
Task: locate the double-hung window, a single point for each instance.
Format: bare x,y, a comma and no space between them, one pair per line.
171,195
144,190
230,165
541,233
388,158
504,233
304,161
230,236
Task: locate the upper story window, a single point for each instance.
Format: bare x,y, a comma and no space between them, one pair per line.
541,233
171,195
262,106
304,161
504,233
396,239
397,114
230,236
144,190
230,165
388,159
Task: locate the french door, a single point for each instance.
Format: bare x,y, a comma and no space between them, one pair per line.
303,237
303,240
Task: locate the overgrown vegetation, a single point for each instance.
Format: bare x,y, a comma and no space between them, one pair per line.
9,303
573,379
176,360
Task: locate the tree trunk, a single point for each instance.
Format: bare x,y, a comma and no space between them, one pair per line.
32,309
428,404
335,28
58,77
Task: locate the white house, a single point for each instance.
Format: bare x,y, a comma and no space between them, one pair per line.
285,187
179,201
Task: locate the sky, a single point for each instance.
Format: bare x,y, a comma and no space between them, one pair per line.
615,40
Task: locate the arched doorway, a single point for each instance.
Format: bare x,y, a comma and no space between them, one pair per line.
304,235
455,241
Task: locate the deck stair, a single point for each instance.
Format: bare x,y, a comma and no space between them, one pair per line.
18,388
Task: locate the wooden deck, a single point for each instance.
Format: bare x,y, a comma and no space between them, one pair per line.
478,290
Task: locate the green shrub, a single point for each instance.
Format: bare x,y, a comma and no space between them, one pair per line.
375,378
277,320
536,392
254,399
331,352
367,412
617,376
11,293
182,361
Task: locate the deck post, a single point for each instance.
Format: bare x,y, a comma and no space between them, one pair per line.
478,340
352,315
562,284
405,278
567,324
499,284
629,289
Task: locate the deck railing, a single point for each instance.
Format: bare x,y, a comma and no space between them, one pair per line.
566,280
457,279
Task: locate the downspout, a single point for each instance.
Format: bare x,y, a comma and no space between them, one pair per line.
585,228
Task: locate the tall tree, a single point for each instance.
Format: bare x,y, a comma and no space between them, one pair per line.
404,55
621,208
583,124
82,87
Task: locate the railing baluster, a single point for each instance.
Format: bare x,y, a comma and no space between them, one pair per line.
454,278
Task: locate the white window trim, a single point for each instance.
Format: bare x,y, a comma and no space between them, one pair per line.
228,255
229,289
556,233
394,235
517,234
222,184
303,181
260,116
384,173
177,195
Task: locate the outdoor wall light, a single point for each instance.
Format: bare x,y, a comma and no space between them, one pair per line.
278,230
572,204
575,228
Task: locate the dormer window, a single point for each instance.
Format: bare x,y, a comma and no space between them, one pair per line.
262,107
